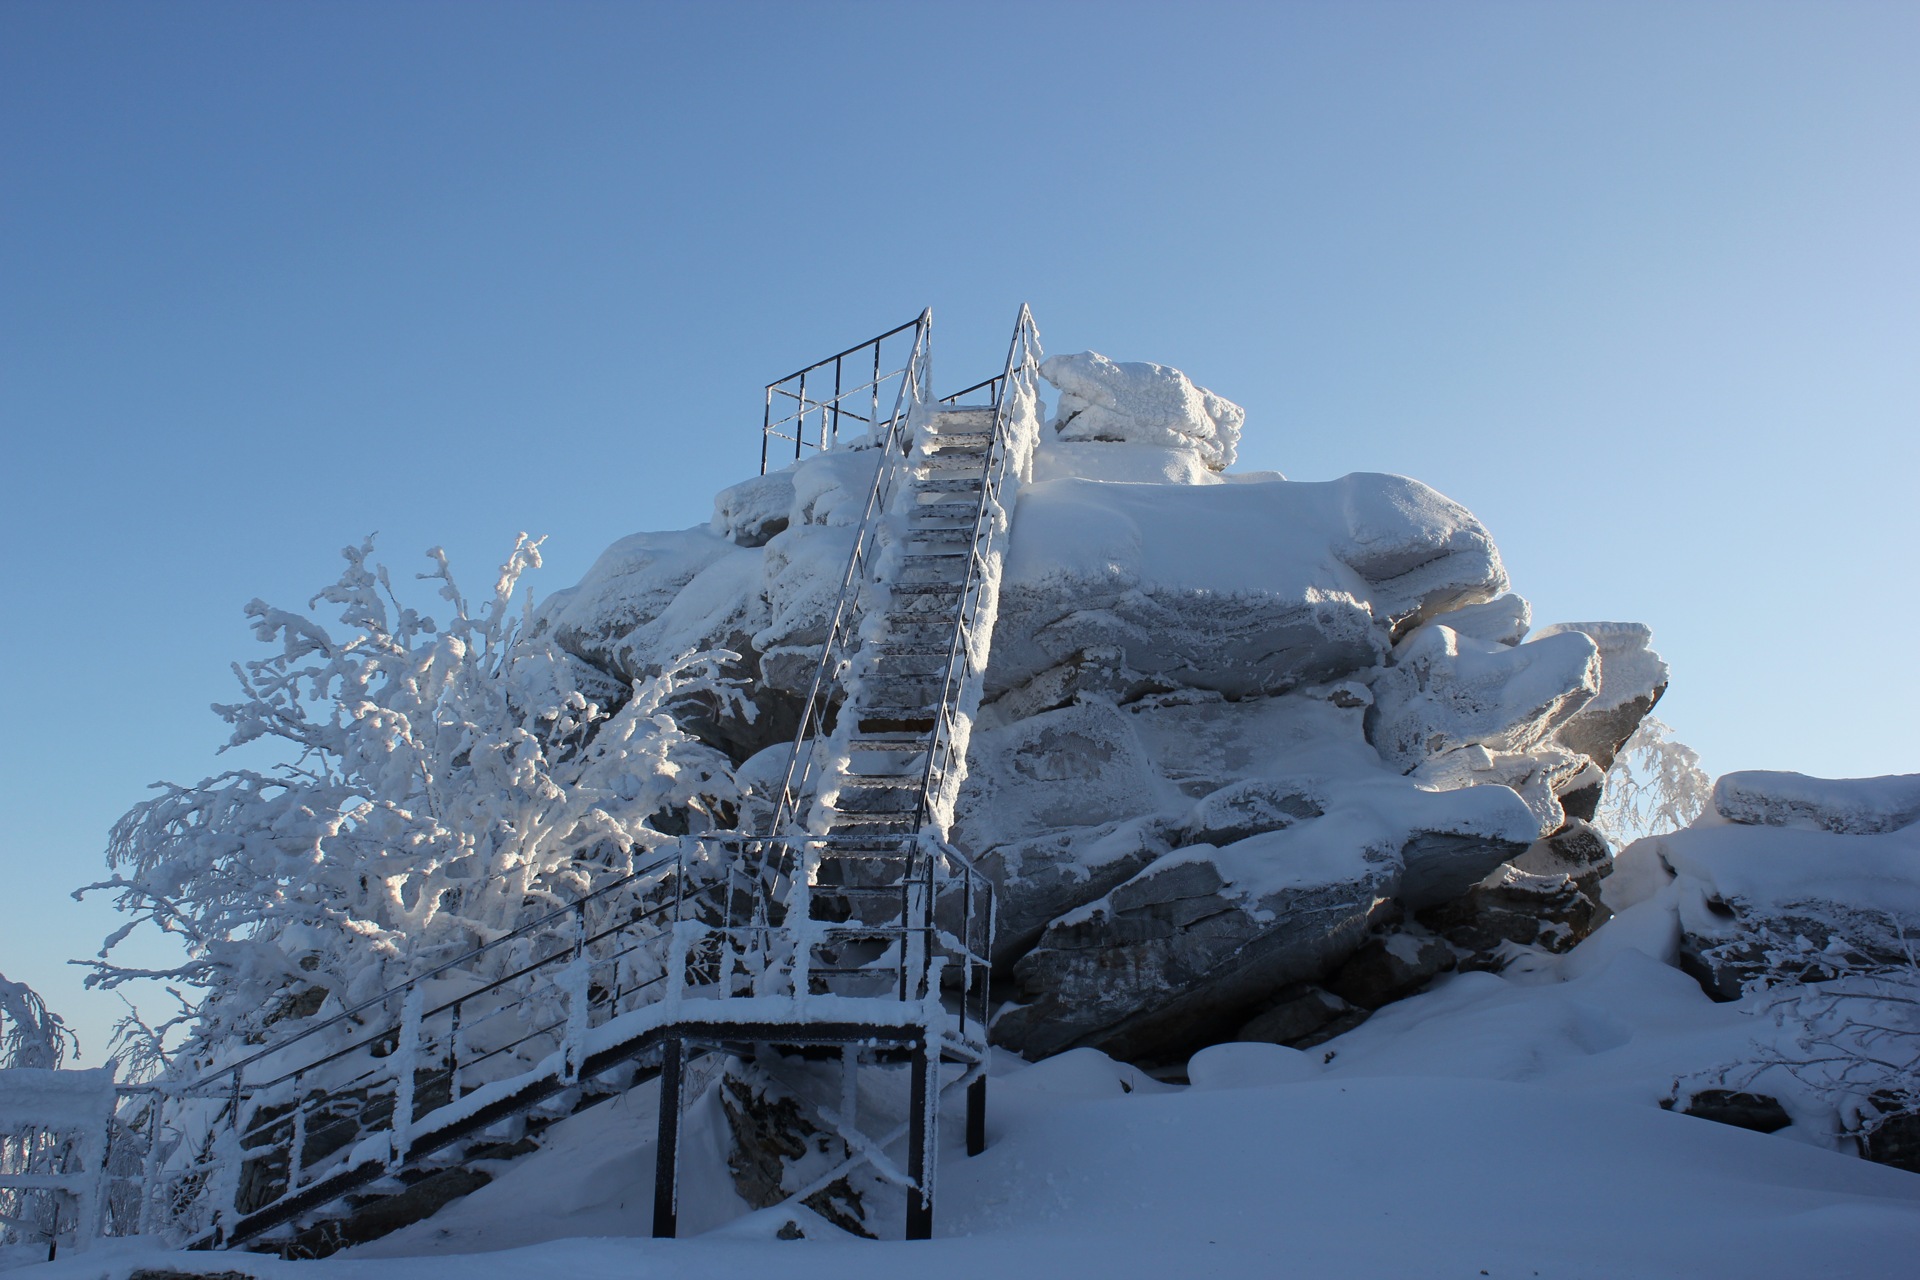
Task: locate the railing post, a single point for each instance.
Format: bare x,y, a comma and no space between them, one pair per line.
666,1160
406,1056
921,1136
579,986
150,1171
298,1140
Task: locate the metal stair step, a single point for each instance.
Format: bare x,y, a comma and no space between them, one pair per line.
891,648
881,781
928,588
948,484
899,719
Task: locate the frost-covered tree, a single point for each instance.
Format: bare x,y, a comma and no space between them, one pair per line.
440,785
1656,785
31,1035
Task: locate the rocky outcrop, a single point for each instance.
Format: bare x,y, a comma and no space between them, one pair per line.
1447,691
1242,741
1189,949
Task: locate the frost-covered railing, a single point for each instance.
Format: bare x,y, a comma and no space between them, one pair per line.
850,391
55,1131
896,442
358,1086
530,1017
1015,402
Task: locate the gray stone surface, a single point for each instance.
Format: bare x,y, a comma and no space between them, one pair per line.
1171,961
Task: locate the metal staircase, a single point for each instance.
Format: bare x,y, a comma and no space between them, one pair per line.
848,924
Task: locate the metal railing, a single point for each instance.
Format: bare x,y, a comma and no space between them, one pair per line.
1017,385
451,1052
810,407
841,639
505,1027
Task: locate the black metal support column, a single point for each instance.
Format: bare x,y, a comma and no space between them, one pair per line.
921,1135
666,1168
977,1116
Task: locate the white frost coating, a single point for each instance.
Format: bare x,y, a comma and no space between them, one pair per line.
1141,403
55,1099
1502,621
632,582
1629,668
77,1106
754,510
1844,806
1449,691
1537,775
1364,825
1243,588
1780,866
1128,463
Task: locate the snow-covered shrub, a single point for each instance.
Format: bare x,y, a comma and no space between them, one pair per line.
440,786
1841,990
1656,785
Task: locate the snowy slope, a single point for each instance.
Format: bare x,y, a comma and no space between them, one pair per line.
1505,1125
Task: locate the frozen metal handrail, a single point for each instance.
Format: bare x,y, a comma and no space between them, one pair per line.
894,448
280,1132
790,407
1020,376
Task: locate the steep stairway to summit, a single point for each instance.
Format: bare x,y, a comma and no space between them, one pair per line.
848,925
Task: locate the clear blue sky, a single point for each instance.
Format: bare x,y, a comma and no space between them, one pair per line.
1639,284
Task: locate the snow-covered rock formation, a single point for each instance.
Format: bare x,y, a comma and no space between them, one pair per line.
1238,732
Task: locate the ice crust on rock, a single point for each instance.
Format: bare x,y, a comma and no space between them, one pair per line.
1141,403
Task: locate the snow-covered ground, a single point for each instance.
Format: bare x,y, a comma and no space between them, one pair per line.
1498,1125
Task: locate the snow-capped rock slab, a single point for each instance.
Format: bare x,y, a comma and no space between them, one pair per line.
1191,947
1632,678
1247,588
1843,806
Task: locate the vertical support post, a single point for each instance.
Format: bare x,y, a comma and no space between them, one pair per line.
666,1167
922,1134
977,1116
297,1144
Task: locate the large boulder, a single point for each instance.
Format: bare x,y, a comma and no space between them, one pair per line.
1447,690
1632,678
1141,403
1758,905
1243,589
1187,950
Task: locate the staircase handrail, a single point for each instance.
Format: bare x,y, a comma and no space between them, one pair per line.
1023,361
894,448
832,407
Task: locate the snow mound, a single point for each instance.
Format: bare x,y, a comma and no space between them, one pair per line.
1141,403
